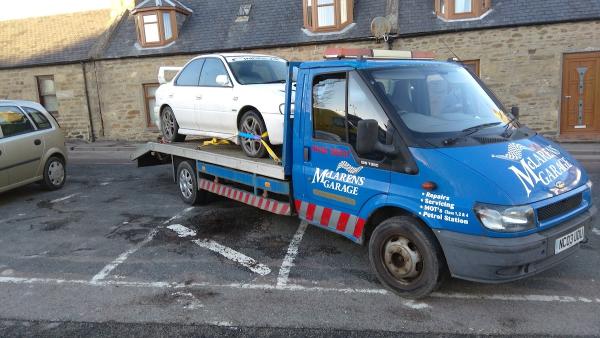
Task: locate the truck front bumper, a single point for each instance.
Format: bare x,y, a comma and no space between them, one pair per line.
496,260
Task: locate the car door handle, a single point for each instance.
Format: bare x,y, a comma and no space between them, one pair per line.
37,142
199,97
170,96
306,154
567,96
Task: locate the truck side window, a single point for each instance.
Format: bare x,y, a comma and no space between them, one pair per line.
329,107
362,105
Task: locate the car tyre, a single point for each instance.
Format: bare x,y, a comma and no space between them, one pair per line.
188,185
252,123
169,126
55,173
406,257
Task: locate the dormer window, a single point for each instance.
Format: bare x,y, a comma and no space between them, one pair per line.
461,9
157,21
327,15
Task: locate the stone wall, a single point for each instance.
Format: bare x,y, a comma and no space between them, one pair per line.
523,66
21,84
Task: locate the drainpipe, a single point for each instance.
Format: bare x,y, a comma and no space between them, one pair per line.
87,100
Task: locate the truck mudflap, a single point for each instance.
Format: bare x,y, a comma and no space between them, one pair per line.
498,260
266,204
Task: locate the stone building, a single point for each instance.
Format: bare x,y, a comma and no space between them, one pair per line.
97,71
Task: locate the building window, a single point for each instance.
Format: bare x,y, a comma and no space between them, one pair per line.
150,101
156,28
461,9
47,94
327,15
473,65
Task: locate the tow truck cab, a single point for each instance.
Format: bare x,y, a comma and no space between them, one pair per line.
420,160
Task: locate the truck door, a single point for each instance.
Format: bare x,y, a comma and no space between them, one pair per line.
215,103
337,182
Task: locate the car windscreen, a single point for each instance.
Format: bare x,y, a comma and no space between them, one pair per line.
435,99
258,69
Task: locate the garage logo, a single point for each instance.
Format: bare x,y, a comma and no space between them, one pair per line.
537,166
346,182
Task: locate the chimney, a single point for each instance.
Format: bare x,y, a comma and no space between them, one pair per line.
118,7
391,13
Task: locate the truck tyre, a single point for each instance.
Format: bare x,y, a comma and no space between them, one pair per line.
55,173
252,123
406,258
188,185
169,126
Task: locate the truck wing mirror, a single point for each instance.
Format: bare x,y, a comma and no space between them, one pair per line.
515,111
367,140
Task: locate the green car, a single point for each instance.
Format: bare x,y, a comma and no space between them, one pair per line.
32,146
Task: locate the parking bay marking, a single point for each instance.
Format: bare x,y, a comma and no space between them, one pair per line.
64,198
224,251
292,252
123,257
300,288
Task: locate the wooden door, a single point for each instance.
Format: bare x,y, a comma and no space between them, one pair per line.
580,111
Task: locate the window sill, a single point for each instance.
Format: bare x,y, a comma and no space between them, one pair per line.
138,46
342,31
465,19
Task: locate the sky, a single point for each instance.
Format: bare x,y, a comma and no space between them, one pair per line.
19,9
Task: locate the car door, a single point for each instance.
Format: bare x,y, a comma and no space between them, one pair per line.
23,145
3,173
185,93
338,183
215,105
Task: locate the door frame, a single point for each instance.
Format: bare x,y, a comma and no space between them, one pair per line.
562,101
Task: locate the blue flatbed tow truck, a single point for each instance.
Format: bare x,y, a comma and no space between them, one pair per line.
418,160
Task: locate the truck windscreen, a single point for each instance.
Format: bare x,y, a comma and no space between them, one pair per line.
435,99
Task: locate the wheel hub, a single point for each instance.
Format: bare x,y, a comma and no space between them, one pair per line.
56,173
402,259
251,125
168,124
186,183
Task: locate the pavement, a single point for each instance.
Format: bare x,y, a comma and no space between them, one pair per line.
116,252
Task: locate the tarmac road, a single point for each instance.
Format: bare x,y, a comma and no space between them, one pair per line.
117,253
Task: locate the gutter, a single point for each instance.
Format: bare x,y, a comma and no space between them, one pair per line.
87,99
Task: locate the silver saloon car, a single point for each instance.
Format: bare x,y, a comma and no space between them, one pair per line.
32,146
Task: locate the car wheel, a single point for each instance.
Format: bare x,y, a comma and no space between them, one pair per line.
55,173
406,257
188,185
252,123
170,127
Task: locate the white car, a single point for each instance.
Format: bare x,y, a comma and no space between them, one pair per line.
220,94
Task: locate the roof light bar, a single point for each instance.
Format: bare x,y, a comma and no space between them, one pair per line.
359,53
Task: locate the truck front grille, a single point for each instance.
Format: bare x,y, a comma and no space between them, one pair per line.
559,208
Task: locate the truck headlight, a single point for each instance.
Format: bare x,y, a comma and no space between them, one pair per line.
505,219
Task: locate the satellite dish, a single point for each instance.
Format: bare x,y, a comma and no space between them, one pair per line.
381,28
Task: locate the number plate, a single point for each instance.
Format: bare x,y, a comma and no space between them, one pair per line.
568,240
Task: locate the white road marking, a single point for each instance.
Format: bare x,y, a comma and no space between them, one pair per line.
235,256
596,231
104,183
292,252
182,231
300,288
123,257
64,198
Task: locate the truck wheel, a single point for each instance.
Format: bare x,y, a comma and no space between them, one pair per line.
188,185
252,123
55,173
169,126
406,258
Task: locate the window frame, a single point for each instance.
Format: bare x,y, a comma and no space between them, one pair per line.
145,86
159,12
41,99
476,63
224,64
478,8
203,60
37,128
337,7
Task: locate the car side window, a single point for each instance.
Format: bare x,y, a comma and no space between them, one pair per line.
14,122
329,107
190,75
38,118
213,67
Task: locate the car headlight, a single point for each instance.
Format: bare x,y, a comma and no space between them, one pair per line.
505,219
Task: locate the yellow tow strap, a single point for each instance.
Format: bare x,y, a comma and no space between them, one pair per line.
214,142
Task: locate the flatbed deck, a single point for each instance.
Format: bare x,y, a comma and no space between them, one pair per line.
229,156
